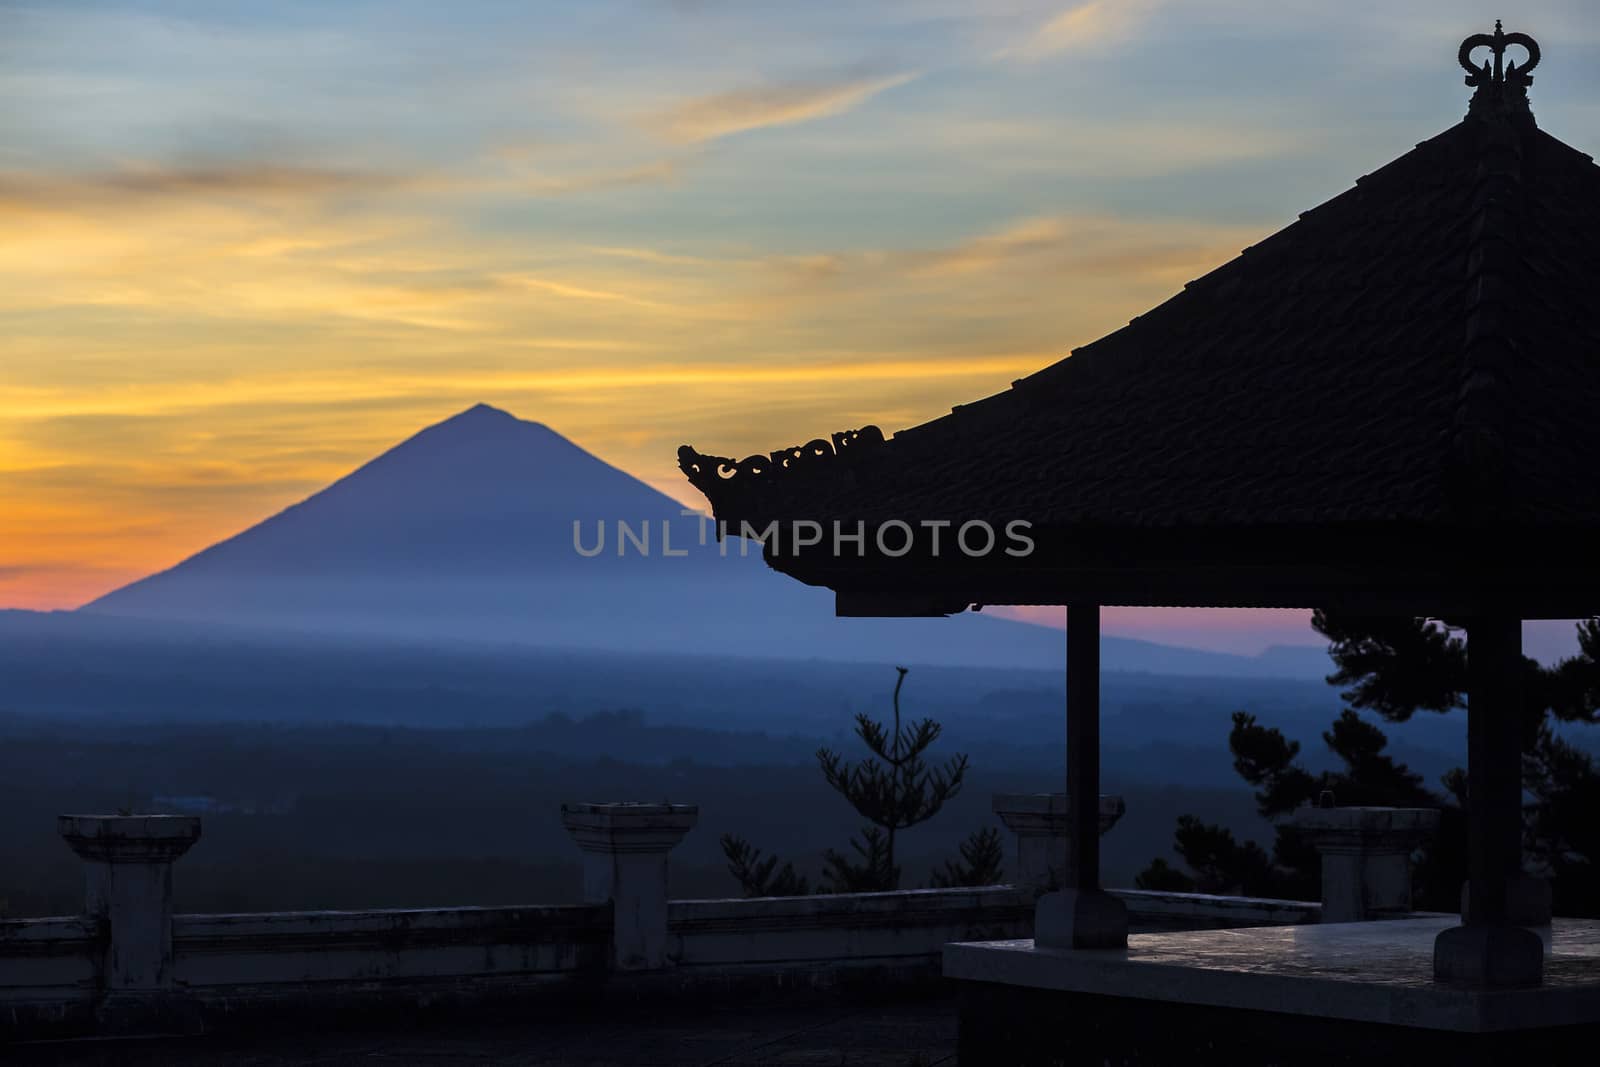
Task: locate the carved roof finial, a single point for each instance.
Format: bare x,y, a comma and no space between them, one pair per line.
1501,87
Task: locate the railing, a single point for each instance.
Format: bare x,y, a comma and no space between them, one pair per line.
129,963
400,945
47,971
1149,911
901,932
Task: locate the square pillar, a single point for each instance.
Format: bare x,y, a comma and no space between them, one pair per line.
625,849
1081,914
129,888
1529,900
1366,857
1487,950
1043,833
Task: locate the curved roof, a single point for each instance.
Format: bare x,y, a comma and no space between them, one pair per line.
1420,352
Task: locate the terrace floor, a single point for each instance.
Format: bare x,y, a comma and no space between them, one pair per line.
914,1033
1370,972
1352,976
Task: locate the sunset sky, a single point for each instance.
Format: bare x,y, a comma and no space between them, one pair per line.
245,247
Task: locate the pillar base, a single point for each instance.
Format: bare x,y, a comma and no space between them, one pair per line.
1080,918
1489,957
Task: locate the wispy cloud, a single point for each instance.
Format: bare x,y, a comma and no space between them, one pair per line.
652,255
534,206
544,184
1028,237
143,183
579,292
1089,24
1094,146
1019,255
706,118
183,186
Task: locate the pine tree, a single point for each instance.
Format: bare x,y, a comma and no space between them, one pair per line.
892,795
899,792
872,871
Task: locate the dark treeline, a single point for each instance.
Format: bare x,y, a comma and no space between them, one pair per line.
361,816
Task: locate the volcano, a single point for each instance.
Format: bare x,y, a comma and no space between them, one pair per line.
465,532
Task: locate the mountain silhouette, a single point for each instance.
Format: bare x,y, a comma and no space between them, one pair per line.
464,532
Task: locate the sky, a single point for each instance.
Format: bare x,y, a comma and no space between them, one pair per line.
246,247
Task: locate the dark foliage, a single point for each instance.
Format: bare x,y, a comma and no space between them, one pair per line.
893,789
982,854
1395,668
1163,877
872,870
1562,836
759,877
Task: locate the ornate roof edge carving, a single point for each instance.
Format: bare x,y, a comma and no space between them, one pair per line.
715,476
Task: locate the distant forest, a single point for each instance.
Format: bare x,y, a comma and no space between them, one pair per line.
336,774
360,816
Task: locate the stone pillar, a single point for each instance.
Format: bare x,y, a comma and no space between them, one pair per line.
1487,950
1366,857
625,850
1081,914
129,888
1040,822
1529,900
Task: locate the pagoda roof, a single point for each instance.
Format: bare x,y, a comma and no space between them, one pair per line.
1417,358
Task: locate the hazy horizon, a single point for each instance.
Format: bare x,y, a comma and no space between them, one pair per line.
484,464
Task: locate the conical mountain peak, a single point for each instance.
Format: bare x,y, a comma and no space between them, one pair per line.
479,493
465,531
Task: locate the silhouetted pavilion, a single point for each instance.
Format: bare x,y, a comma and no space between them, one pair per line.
1390,407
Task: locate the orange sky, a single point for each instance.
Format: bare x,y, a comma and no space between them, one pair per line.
239,258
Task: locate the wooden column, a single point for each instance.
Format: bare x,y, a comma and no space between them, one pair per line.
1494,765
1081,915
1083,746
1487,950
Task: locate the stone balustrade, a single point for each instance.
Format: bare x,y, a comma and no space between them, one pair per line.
128,886
1040,822
1366,857
129,954
625,850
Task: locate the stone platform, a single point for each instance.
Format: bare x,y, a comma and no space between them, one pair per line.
1335,993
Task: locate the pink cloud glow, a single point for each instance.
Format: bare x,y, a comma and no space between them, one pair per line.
1237,630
